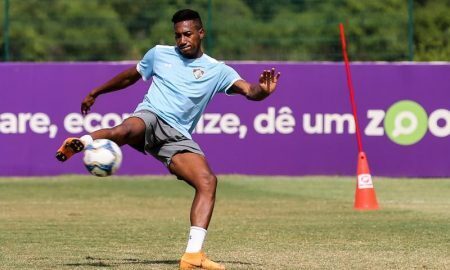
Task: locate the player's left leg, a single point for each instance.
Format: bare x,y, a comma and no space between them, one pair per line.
194,169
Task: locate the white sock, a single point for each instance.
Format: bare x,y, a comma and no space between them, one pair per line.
196,237
86,139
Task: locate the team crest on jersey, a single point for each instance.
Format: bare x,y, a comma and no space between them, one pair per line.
198,73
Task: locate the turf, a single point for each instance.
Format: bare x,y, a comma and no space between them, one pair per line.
79,222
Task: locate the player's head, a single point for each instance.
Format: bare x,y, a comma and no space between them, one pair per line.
189,32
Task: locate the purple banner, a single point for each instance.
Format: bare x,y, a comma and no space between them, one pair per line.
304,128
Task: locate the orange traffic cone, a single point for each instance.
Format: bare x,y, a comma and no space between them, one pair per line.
365,198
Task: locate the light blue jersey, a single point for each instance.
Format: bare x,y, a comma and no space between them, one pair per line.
182,87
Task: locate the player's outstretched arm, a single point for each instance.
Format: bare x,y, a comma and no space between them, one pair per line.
120,81
259,91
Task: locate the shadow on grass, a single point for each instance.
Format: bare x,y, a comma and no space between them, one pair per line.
106,262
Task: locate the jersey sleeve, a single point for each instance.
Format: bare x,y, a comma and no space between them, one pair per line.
228,76
145,66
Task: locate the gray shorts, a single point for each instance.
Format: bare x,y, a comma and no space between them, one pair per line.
163,141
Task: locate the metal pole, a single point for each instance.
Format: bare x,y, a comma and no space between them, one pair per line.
411,30
209,29
6,31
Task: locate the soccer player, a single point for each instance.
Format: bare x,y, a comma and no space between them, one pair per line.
184,81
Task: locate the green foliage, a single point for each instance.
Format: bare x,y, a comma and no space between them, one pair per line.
432,22
69,30
296,30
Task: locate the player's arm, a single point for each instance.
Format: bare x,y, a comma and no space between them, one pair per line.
120,81
259,91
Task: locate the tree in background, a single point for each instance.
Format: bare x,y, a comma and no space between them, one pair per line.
432,30
68,30
293,30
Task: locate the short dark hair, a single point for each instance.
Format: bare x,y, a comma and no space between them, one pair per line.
186,15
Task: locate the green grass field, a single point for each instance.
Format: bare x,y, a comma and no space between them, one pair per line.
79,222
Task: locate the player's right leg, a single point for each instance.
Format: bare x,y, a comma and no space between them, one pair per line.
131,131
69,147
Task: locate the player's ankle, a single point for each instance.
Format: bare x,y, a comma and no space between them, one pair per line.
197,236
86,139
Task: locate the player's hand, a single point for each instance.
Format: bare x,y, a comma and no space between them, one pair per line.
87,103
268,80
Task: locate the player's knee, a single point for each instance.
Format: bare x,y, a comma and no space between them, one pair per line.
207,183
121,132
130,130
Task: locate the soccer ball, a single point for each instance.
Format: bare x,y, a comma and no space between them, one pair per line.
102,157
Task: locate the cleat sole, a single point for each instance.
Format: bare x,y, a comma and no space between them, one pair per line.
71,147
